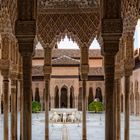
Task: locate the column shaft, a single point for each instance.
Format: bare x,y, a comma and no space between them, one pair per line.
115,108
21,110
27,97
118,111
84,130
47,91
109,90
126,114
13,110
6,104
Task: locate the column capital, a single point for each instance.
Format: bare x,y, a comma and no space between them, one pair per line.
26,49
25,31
112,29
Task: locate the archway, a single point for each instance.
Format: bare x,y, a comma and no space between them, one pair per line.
80,99
72,103
37,96
56,97
90,96
64,97
98,94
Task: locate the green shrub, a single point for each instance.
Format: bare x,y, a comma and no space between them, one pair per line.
96,106
36,107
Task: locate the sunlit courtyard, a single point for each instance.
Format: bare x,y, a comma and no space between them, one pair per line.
73,131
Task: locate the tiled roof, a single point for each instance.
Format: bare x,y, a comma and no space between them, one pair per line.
65,60
39,53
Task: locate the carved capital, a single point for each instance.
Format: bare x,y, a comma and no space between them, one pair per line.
110,48
26,49
5,64
25,31
112,27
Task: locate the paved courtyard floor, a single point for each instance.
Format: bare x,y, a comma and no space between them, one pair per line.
95,128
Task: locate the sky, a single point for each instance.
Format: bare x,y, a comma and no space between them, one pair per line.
69,44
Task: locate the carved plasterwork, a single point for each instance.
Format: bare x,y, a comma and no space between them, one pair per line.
130,14
82,28
55,6
63,82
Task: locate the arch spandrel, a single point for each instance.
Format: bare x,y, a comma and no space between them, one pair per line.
81,27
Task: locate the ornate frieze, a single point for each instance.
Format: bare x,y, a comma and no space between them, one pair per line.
67,4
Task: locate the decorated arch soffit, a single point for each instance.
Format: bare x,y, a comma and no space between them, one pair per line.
78,19
130,15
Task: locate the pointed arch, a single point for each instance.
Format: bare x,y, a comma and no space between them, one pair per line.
64,97
98,94
72,97
90,96
56,98
80,99
37,96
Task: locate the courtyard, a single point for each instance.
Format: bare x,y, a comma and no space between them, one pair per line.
95,128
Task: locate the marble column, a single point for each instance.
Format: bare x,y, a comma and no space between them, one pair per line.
118,110
47,91
68,98
59,93
26,53
6,104
128,68
84,78
109,65
47,76
13,109
84,109
126,114
21,109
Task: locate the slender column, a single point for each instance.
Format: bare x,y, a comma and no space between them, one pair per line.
84,78
59,98
84,109
68,97
109,90
126,115
21,109
6,104
128,68
13,110
118,111
47,75
26,53
47,91
115,109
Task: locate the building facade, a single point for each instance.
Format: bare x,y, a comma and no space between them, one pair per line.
65,84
